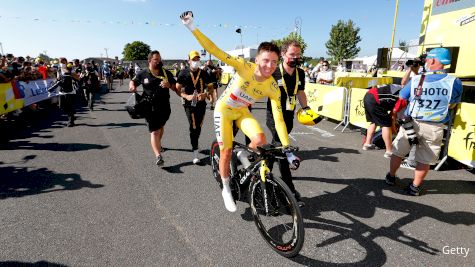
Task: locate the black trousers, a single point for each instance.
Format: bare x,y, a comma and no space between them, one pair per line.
90,94
67,104
195,117
284,167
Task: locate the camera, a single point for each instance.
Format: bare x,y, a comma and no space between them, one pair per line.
408,124
417,62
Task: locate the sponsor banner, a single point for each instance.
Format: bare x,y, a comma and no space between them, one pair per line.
35,91
326,100
350,74
444,6
362,82
10,98
450,23
462,138
357,112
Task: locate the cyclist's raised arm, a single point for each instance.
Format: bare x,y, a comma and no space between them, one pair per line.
280,126
208,45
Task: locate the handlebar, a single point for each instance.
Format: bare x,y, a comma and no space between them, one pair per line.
268,149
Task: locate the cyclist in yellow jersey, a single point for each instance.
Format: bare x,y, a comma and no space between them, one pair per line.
251,82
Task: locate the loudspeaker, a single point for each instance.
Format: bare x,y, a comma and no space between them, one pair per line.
382,59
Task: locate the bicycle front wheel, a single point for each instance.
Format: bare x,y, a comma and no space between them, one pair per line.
281,224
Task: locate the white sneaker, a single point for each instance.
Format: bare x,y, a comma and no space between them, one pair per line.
229,201
196,160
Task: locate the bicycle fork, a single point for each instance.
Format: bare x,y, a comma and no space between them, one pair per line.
264,170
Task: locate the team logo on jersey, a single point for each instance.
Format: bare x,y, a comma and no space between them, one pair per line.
217,127
257,91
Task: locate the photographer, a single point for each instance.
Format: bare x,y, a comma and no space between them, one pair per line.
429,95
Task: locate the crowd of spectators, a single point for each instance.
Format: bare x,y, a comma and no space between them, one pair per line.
26,69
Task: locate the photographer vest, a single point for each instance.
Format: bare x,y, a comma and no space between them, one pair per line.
433,102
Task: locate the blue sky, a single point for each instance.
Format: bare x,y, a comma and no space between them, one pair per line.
83,28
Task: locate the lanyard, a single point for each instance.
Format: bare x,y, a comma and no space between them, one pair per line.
165,78
195,80
296,80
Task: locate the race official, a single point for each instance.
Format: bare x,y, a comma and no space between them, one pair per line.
291,81
194,85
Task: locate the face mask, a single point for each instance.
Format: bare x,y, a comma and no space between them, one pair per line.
195,64
62,65
293,62
160,64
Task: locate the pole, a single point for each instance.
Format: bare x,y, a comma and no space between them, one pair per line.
425,30
298,26
107,55
1,47
242,47
394,32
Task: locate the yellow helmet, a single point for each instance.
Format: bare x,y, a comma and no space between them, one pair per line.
308,117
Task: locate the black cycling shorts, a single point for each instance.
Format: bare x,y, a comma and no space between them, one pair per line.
376,113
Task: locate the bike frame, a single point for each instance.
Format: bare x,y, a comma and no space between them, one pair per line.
261,165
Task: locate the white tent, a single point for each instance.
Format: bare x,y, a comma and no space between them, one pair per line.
364,63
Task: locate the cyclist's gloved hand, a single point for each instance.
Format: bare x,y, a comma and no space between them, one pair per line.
187,19
294,161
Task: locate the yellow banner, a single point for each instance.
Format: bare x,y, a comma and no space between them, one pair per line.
450,24
357,112
8,102
362,82
462,139
326,100
350,74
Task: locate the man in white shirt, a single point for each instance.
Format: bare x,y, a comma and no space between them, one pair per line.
325,76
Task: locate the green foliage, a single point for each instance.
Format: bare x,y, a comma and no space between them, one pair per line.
43,57
137,50
403,45
292,36
343,42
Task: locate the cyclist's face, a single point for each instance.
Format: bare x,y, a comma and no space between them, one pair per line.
154,61
267,63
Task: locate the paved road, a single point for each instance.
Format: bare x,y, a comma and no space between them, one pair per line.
92,196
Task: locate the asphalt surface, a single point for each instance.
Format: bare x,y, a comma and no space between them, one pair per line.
91,195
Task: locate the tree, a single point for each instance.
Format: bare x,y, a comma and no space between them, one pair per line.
43,57
403,46
292,36
137,50
343,42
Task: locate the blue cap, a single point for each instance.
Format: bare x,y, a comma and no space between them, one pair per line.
440,53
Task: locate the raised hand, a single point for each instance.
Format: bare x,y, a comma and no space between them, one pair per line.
187,20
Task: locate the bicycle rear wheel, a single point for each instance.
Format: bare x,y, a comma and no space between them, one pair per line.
282,226
214,159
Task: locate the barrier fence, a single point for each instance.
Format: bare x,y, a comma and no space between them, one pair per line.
339,103
17,94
